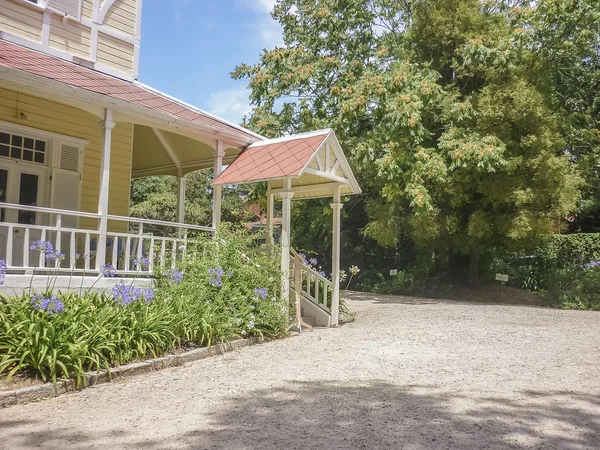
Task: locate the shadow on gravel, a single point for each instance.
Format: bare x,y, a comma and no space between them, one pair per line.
375,415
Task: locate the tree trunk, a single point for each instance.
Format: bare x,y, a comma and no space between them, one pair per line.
474,268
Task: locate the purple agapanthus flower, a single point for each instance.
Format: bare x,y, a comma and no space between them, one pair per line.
108,271
303,258
174,275
52,305
261,292
217,274
125,294
46,248
2,271
313,261
142,263
591,265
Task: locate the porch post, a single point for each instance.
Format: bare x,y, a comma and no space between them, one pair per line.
286,220
336,206
181,184
107,125
269,240
217,190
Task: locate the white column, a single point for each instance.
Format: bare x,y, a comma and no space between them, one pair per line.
181,184
336,206
217,191
286,220
107,125
270,201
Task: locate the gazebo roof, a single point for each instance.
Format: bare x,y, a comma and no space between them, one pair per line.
313,161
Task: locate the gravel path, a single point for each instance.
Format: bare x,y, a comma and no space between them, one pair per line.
408,374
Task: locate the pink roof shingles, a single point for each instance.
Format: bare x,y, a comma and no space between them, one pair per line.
280,159
52,68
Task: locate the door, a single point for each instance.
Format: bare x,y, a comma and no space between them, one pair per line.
22,184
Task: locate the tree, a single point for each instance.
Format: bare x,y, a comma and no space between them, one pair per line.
156,198
446,112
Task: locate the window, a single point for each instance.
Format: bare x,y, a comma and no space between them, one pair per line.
23,148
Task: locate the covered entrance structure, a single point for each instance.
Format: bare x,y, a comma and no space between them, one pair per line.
302,166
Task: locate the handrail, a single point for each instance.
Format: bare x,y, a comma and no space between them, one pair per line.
43,209
161,223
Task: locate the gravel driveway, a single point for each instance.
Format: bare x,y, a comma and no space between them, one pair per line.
408,374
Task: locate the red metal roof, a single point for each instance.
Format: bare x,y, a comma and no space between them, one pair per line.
276,158
46,66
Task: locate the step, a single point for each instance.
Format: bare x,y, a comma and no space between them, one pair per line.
312,321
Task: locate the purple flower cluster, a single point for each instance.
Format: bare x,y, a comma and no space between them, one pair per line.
174,275
2,271
108,271
591,265
313,262
52,305
47,249
142,263
261,292
125,294
217,274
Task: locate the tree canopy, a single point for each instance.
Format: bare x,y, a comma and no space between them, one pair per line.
472,125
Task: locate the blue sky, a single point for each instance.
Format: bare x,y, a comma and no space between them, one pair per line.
189,47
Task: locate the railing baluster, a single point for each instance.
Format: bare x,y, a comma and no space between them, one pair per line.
9,246
317,281
58,234
115,247
42,259
126,263
174,252
140,247
151,255
26,248
72,251
163,250
86,250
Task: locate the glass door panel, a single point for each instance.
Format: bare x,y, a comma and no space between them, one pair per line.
28,195
3,189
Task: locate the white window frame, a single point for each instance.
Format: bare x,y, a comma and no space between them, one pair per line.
53,143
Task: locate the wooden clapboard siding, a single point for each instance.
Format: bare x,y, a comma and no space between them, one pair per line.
118,36
122,16
58,118
21,20
87,8
115,53
70,37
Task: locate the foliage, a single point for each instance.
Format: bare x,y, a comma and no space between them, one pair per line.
65,334
452,113
563,267
156,198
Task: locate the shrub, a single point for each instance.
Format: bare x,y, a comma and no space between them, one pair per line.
223,289
562,267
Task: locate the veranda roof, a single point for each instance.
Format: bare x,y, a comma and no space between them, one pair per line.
170,136
313,161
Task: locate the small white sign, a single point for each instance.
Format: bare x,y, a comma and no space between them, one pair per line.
393,272
502,277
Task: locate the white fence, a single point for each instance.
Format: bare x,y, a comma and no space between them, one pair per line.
161,242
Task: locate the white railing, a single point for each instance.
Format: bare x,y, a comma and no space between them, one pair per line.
313,286
161,242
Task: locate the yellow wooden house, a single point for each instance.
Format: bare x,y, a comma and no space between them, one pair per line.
76,127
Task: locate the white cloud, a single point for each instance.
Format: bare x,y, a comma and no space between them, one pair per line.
230,104
267,30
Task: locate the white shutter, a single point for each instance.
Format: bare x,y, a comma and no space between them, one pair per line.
66,183
71,8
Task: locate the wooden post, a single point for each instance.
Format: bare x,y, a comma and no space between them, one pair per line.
107,125
269,235
181,184
217,190
286,220
336,206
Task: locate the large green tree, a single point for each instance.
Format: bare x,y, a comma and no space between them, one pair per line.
445,107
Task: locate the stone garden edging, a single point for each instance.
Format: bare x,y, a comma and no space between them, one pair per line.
49,390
